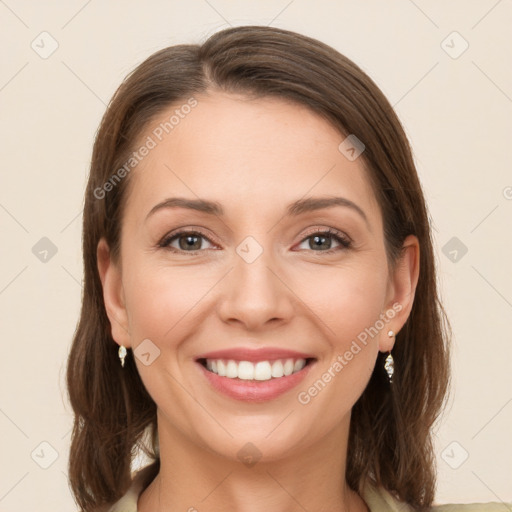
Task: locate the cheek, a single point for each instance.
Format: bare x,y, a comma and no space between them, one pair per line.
166,305
346,300
352,318
160,301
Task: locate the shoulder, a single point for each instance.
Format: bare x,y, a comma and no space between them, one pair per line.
474,507
128,503
379,499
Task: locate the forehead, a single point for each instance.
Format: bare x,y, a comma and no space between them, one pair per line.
248,153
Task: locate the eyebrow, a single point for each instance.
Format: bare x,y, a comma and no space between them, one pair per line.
294,209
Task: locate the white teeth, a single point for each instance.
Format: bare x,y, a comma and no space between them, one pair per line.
288,367
232,370
277,369
221,368
299,364
245,370
262,370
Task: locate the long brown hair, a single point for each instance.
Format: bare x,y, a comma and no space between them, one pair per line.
390,440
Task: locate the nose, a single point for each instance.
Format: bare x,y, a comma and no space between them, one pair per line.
256,293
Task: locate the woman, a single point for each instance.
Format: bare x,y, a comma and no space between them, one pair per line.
260,311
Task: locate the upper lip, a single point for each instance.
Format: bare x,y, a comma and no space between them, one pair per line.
254,355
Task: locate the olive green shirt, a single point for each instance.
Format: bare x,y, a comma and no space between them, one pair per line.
377,499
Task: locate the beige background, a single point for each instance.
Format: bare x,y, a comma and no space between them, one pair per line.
456,108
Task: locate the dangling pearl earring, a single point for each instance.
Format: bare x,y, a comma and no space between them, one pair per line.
122,354
389,364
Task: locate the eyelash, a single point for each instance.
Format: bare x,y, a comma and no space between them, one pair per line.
340,237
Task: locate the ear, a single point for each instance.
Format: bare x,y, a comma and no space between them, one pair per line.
113,294
401,291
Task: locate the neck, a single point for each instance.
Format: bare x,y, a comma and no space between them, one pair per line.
194,479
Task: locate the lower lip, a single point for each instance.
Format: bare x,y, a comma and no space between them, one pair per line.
253,390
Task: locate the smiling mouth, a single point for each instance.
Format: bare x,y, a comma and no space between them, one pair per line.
255,371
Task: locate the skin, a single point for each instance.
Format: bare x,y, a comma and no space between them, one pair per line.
253,156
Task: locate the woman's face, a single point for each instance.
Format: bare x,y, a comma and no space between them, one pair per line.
253,277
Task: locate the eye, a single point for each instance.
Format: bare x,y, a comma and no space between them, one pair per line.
191,241
188,241
322,239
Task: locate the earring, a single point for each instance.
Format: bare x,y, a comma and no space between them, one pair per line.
389,364
122,354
